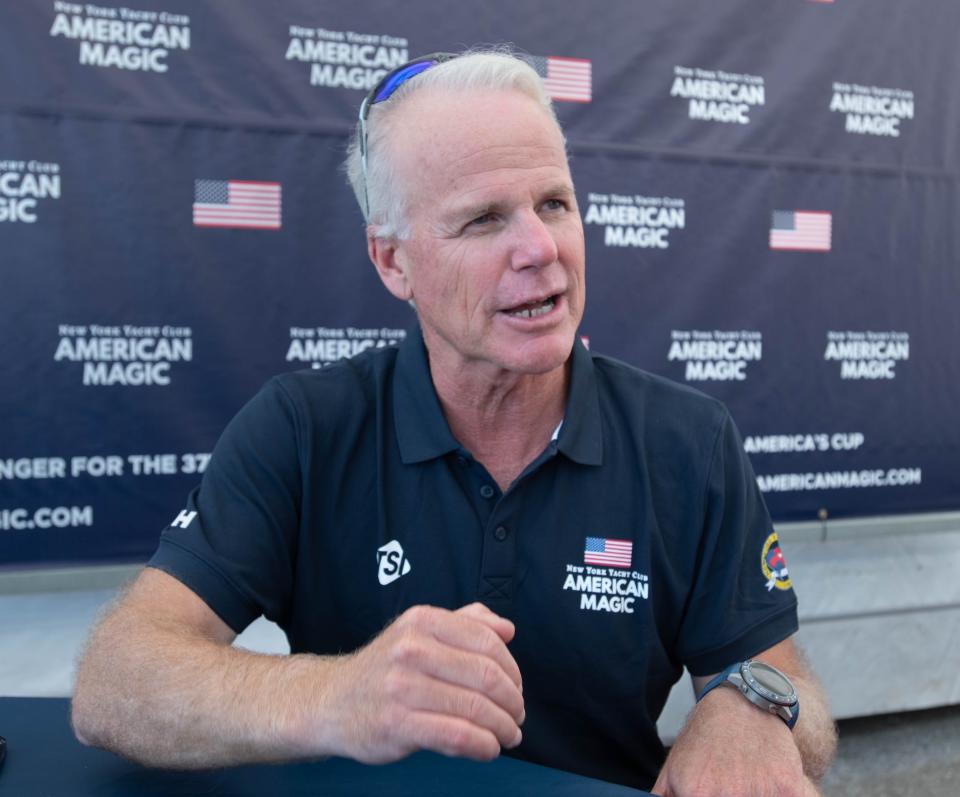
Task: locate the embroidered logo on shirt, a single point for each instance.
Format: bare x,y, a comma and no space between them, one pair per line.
614,588
184,519
773,565
391,562
601,551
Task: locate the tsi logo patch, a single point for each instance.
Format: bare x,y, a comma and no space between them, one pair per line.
391,563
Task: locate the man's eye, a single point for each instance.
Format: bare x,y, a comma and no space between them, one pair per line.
480,221
554,204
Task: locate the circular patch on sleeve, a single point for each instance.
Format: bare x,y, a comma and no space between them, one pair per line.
773,565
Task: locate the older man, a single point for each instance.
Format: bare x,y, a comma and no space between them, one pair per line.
556,533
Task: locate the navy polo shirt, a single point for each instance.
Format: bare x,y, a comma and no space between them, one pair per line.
635,544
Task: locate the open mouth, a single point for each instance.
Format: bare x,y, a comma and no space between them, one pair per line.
533,309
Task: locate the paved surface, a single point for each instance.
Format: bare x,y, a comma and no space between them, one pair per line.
898,755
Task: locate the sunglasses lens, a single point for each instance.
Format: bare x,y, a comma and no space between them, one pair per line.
397,79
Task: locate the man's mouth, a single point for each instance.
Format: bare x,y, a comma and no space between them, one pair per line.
533,309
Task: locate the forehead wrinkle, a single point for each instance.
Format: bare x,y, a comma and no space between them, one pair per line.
505,173
506,156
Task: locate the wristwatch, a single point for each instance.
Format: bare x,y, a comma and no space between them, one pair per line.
764,686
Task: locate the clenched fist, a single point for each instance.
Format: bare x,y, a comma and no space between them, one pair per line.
432,680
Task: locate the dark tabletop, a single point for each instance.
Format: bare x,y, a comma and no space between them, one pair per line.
44,758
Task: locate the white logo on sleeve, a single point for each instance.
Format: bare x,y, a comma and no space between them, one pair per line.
391,562
184,519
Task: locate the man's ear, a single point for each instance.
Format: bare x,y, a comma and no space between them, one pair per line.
390,264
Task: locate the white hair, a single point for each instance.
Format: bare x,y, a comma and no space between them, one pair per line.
382,200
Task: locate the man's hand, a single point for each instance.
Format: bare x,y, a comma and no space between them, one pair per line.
433,679
730,748
161,684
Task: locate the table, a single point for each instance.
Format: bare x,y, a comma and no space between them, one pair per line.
44,758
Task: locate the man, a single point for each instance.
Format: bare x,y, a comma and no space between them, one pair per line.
588,529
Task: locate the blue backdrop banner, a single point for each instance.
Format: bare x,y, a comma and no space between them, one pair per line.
768,187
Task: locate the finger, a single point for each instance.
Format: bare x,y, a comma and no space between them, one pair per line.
465,632
423,693
462,668
451,736
504,628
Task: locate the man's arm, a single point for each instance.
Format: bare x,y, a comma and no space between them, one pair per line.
729,746
160,683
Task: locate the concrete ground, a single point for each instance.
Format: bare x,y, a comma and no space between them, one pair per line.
898,755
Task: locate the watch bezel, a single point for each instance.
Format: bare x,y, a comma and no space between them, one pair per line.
780,699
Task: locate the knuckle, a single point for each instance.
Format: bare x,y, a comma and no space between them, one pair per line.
395,684
474,706
477,609
489,677
392,717
489,641
408,650
460,740
416,616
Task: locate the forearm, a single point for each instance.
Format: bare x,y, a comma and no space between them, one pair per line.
727,746
726,711
815,733
167,699
160,683
727,743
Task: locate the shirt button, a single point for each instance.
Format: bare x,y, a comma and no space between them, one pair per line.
486,491
501,533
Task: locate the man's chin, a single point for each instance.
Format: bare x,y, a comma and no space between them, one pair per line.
540,356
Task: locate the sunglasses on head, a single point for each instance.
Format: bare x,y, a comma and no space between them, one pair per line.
382,92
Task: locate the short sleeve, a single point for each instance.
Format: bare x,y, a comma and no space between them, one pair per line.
234,543
742,601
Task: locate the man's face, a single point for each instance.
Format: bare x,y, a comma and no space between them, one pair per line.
495,257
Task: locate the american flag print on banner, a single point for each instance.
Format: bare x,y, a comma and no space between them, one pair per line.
601,551
565,79
236,203
801,230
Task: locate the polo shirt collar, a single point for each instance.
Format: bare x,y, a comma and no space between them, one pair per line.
581,436
422,429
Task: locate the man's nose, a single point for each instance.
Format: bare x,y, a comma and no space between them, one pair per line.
534,243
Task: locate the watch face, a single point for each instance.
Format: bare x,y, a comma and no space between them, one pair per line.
773,683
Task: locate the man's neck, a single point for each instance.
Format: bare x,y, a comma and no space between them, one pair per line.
504,419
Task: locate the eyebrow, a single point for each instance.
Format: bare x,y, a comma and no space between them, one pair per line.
564,190
474,210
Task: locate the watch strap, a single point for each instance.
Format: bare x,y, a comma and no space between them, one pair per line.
718,679
789,717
